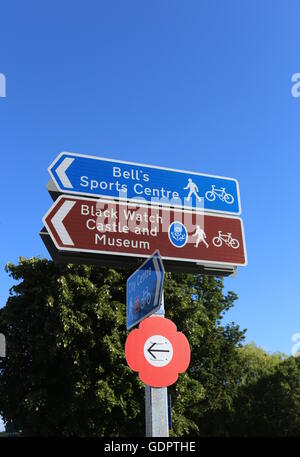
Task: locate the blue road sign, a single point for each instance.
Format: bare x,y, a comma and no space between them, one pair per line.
144,290
100,177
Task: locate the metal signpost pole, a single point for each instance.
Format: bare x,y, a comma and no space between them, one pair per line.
2,345
156,402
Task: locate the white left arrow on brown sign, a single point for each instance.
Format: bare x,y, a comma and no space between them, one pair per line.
57,221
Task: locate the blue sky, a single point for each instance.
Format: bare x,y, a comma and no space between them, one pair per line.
196,85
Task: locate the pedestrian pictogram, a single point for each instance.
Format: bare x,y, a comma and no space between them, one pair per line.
201,236
193,190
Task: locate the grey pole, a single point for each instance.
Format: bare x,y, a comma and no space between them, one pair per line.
157,411
156,402
2,345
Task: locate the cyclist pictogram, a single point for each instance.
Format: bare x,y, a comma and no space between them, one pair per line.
146,298
221,193
227,239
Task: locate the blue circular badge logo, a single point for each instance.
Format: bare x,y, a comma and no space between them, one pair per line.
178,234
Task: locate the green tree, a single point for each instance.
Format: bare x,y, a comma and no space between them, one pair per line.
270,406
65,371
201,395
255,363
252,364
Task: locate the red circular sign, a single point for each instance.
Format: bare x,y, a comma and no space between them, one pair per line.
157,351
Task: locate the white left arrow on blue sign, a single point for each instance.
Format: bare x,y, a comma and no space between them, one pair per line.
62,172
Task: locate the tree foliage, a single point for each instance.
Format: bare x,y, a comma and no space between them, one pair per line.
271,405
65,373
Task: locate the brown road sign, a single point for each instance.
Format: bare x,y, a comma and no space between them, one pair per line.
86,225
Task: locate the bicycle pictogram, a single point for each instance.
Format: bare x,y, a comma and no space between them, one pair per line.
220,193
146,298
227,239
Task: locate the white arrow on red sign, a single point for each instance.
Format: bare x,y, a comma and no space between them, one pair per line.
58,225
